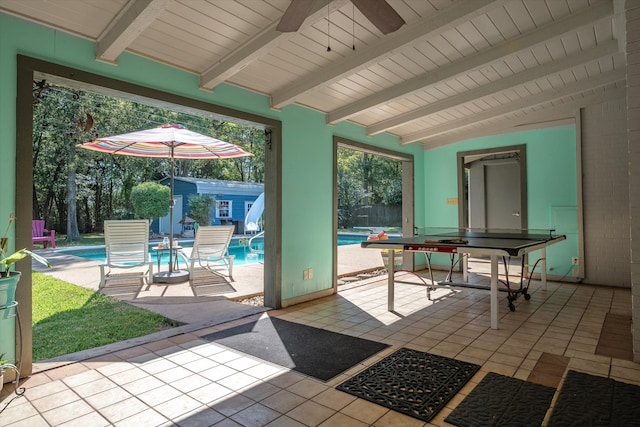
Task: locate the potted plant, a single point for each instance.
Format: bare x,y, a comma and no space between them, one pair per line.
5,364
2,368
8,283
9,279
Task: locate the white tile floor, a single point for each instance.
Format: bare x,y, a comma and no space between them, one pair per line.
187,381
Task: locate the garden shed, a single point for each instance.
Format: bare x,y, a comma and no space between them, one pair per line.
232,201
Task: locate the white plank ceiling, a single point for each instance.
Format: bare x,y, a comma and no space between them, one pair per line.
456,69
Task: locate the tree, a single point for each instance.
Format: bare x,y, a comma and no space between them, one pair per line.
364,181
393,194
350,198
150,200
200,208
67,111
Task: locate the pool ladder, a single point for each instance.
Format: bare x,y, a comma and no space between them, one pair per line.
254,253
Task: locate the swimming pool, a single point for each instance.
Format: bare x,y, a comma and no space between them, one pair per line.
238,247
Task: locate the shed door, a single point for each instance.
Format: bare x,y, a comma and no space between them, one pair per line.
177,216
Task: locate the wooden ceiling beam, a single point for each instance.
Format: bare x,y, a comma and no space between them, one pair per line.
528,102
552,67
556,116
133,21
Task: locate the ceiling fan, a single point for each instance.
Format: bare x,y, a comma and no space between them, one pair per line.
379,12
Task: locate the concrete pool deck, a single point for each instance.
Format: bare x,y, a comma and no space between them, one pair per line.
205,299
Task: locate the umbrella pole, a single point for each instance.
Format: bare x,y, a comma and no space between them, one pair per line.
171,276
171,203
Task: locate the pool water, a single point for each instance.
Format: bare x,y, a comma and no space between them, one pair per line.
238,247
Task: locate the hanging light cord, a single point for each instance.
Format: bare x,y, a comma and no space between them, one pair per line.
328,29
353,26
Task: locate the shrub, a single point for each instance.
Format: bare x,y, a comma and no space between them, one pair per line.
150,200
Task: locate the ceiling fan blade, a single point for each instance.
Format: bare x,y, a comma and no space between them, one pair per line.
381,14
294,16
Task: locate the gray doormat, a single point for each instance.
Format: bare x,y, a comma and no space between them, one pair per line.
589,400
412,382
311,351
499,400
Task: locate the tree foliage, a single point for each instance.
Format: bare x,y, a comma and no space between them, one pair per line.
351,197
150,200
365,180
200,208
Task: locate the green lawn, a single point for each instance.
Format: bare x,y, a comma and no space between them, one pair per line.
87,239
68,318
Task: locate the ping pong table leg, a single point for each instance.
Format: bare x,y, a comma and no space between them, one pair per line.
494,291
465,267
543,266
391,281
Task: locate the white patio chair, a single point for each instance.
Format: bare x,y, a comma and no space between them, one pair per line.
211,249
127,247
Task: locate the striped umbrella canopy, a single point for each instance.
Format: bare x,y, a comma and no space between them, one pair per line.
166,141
172,141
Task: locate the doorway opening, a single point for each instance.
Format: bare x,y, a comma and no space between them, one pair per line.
373,193
492,188
32,70
492,185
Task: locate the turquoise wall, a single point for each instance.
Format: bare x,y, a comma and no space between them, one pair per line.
551,185
307,141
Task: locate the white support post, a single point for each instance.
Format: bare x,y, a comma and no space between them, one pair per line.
494,291
391,282
543,266
465,267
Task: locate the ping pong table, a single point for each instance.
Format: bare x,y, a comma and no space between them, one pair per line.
473,242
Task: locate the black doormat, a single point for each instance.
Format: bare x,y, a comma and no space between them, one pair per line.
412,382
589,400
499,400
311,351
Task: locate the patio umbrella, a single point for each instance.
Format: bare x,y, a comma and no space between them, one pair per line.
172,141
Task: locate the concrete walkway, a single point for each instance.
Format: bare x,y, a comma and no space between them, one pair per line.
204,299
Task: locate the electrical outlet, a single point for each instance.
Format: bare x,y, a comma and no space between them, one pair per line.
307,274
575,260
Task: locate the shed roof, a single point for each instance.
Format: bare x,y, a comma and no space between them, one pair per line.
219,186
